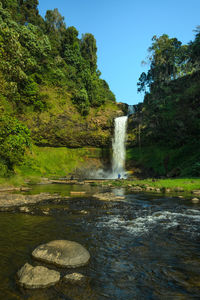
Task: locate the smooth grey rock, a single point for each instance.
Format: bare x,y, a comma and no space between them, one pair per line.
37,277
62,253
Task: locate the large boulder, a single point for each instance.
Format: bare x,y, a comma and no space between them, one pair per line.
62,253
37,277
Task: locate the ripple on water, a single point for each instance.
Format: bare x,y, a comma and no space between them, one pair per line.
141,248
142,225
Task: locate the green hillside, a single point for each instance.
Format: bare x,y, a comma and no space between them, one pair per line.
51,91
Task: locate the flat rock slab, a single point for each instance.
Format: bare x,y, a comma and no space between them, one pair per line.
62,253
13,200
14,189
37,277
108,197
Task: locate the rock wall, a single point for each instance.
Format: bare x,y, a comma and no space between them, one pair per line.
69,129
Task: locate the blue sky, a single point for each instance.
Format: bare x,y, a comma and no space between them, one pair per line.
123,30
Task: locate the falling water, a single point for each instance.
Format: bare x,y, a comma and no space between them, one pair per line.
118,145
119,150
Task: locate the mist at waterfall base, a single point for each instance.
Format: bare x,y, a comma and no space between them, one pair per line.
119,153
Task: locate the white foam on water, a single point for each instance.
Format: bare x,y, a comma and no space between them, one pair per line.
144,224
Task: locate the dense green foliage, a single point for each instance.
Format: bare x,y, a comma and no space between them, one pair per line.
37,53
14,139
169,117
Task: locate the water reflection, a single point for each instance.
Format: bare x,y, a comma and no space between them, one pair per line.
119,191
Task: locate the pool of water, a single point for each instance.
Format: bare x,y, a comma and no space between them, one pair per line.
143,247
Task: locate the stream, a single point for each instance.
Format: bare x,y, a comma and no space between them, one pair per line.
146,246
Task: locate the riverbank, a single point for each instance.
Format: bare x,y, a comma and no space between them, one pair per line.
44,163
178,185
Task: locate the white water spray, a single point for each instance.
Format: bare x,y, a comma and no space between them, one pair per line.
119,150
118,145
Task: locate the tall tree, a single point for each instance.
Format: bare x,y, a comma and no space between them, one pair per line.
54,21
55,28
165,57
89,50
168,60
194,48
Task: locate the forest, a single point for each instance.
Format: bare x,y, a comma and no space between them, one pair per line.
166,125
49,79
38,54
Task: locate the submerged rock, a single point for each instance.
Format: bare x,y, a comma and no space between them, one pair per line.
62,253
76,278
195,200
14,200
24,209
37,277
108,197
105,196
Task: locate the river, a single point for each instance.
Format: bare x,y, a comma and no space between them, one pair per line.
145,246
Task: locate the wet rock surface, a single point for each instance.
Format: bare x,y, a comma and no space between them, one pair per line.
14,200
37,277
14,189
76,278
107,196
62,253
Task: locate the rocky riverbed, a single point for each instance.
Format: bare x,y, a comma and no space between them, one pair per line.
135,240
60,253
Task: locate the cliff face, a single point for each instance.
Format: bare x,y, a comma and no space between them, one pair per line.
62,125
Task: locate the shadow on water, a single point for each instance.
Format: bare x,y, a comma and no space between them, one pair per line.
142,247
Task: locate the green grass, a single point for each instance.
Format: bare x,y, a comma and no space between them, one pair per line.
50,162
188,184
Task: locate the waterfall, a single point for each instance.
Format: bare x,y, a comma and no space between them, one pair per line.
118,145
119,150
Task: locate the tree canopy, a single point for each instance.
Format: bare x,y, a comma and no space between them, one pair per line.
37,52
170,113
